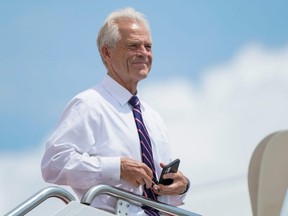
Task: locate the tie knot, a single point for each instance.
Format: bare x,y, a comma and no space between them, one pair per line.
134,101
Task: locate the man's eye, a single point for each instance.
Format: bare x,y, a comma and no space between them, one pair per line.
133,46
148,47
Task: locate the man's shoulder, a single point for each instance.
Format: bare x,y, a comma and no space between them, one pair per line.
90,93
90,96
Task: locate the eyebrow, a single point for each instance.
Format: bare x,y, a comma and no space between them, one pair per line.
136,41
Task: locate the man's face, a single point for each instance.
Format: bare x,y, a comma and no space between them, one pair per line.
131,59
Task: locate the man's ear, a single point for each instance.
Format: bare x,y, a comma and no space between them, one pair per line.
106,53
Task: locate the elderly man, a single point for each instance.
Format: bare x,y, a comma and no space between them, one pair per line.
106,135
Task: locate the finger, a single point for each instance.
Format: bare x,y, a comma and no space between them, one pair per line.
173,189
147,175
140,181
136,184
156,189
148,181
170,176
162,165
147,171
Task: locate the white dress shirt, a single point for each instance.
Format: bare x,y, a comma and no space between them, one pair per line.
96,129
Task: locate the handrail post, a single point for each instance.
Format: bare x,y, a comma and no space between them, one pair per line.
133,198
39,197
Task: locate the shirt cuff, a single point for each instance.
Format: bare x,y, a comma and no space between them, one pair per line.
110,168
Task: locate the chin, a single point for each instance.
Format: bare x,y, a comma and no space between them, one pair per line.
144,74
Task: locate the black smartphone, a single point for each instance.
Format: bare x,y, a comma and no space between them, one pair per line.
171,167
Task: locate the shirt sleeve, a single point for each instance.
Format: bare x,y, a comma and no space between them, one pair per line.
67,159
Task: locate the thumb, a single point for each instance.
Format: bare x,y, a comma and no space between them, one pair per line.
162,165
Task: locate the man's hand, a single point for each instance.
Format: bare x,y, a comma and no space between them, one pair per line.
135,172
179,185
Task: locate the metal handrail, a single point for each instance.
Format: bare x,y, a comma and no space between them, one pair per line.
132,198
39,197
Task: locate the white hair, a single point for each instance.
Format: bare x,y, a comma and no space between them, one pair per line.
109,33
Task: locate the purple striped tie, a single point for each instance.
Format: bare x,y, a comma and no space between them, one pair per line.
146,150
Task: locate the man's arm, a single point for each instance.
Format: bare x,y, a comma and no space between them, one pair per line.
68,160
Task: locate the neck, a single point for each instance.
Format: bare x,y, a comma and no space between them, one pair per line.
130,86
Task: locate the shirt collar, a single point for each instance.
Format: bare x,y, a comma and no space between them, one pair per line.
121,94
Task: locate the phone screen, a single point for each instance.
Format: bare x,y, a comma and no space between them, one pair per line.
171,167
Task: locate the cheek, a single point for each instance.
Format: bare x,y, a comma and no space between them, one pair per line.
150,57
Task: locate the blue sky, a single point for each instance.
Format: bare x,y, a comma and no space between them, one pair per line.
48,51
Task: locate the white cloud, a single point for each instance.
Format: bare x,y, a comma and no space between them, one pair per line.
214,128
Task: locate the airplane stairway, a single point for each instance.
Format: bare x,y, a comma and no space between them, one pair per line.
74,208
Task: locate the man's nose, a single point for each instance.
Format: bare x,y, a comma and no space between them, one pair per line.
142,51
